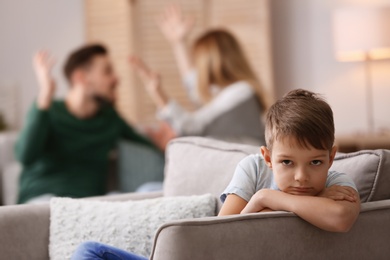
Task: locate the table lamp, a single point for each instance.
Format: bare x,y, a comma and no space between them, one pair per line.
362,34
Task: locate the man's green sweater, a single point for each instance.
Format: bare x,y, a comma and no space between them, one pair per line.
66,156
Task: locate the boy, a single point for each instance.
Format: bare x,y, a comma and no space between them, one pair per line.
292,172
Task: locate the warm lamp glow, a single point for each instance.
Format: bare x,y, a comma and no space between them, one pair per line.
374,54
362,33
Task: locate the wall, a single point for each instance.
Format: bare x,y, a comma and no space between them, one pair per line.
303,58
302,51
26,26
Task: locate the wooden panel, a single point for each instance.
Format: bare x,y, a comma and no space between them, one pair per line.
129,27
151,45
249,21
110,23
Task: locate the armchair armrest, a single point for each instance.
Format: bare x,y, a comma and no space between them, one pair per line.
24,231
274,235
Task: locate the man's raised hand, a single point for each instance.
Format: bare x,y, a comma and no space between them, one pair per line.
43,64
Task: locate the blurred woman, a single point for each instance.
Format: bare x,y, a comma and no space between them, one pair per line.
218,79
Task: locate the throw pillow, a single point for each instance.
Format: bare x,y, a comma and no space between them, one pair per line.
129,225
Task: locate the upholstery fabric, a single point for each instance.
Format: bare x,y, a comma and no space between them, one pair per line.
196,165
216,160
7,141
275,235
24,229
370,171
24,232
10,183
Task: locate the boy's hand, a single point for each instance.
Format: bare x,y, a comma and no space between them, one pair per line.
339,193
43,65
256,203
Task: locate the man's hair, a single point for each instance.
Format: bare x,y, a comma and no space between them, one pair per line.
303,115
82,57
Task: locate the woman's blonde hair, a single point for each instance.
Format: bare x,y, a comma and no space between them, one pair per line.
220,60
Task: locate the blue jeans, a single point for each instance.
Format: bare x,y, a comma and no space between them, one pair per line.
94,251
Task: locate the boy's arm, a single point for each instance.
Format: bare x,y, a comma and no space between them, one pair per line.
325,213
233,205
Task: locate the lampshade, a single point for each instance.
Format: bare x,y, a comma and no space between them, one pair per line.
361,33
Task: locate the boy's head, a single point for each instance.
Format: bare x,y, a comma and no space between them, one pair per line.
300,135
90,67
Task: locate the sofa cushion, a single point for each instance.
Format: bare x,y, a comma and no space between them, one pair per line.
370,170
128,225
196,165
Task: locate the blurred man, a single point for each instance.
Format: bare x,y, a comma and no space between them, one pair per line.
64,145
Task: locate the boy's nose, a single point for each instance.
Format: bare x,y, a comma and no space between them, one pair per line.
301,175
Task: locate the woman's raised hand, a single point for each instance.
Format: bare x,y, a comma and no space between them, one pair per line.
151,80
43,64
174,25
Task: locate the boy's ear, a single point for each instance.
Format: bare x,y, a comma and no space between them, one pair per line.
266,155
332,155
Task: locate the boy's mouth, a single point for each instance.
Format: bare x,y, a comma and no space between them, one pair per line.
301,189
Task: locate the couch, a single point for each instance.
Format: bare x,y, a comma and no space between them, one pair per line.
9,168
130,166
196,166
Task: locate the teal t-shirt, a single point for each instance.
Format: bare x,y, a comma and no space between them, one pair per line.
67,156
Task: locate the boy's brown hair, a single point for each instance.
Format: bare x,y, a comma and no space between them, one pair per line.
304,115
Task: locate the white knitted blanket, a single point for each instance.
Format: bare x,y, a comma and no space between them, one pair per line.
129,225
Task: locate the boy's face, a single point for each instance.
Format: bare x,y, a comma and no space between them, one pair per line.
298,170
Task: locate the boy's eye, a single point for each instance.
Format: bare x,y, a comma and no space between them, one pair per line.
286,162
316,162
